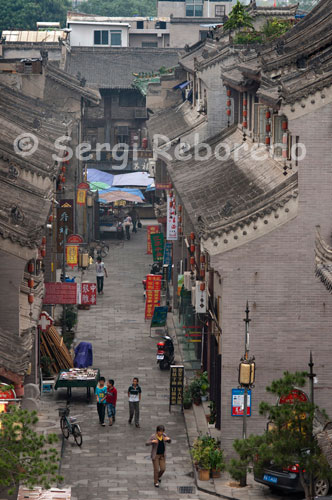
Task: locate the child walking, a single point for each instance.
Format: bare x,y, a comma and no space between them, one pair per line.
101,391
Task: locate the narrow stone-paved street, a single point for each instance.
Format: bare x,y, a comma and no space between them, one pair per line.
114,461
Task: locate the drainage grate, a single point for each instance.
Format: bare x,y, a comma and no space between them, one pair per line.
186,489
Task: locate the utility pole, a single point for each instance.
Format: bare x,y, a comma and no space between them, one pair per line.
311,376
246,354
65,229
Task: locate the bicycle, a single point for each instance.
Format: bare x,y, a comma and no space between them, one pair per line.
100,247
68,426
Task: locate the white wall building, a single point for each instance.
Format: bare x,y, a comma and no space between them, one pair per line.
98,33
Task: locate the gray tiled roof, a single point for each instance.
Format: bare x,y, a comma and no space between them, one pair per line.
114,67
218,194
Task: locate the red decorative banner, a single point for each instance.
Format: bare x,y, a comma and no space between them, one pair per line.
151,230
153,289
88,294
74,238
60,293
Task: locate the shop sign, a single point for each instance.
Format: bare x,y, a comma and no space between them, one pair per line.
65,222
295,395
72,255
45,321
74,238
168,258
81,197
165,185
60,293
157,244
151,230
172,219
88,294
238,402
176,385
180,283
153,290
159,317
7,395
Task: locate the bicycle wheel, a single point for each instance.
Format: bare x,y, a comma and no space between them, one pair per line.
105,250
64,427
77,435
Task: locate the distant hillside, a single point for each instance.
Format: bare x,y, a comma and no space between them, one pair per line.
119,8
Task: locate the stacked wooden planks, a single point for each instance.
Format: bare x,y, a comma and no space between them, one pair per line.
53,346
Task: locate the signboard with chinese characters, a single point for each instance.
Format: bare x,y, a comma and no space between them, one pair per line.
163,185
168,258
238,403
172,219
157,244
176,385
72,255
60,293
151,230
153,290
65,220
74,239
159,317
82,189
88,294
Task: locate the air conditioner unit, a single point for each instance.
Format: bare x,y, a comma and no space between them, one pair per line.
159,35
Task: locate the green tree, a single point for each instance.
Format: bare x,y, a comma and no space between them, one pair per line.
118,8
238,18
289,441
25,456
23,14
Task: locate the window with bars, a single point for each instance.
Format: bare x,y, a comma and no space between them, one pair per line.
101,37
194,8
219,11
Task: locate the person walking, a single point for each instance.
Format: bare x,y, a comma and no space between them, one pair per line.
127,224
101,391
135,218
100,273
111,398
134,396
158,453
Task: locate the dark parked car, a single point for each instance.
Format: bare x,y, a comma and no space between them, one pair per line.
288,479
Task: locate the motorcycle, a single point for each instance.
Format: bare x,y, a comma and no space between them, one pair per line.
165,353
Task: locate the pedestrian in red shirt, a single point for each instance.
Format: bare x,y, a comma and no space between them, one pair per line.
111,397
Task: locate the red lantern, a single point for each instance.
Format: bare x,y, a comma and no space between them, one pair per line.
31,267
228,112
60,187
31,283
180,218
63,169
245,124
245,112
50,219
180,229
202,273
30,298
268,127
284,125
192,236
180,208
43,252
228,102
202,259
170,204
144,143
192,248
228,93
202,286
267,140
244,102
44,240
63,179
268,115
192,260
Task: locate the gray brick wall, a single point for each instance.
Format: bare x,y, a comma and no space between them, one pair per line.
291,310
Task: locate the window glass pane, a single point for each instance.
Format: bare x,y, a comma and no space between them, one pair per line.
104,37
116,38
189,10
97,37
198,10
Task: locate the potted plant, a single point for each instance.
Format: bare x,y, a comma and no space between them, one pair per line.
217,462
201,455
187,398
204,381
195,389
213,414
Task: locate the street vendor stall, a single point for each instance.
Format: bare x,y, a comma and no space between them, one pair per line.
78,377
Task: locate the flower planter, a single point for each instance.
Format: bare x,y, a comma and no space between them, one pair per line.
197,401
215,473
203,474
187,406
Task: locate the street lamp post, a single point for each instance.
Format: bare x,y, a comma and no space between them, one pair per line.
246,379
311,376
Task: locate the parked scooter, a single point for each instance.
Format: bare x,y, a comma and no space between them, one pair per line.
165,353
68,279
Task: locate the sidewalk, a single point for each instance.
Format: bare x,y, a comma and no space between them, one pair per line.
196,424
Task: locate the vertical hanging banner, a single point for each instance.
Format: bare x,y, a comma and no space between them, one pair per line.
176,385
168,258
82,189
157,244
151,230
153,290
88,296
172,218
65,221
72,255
